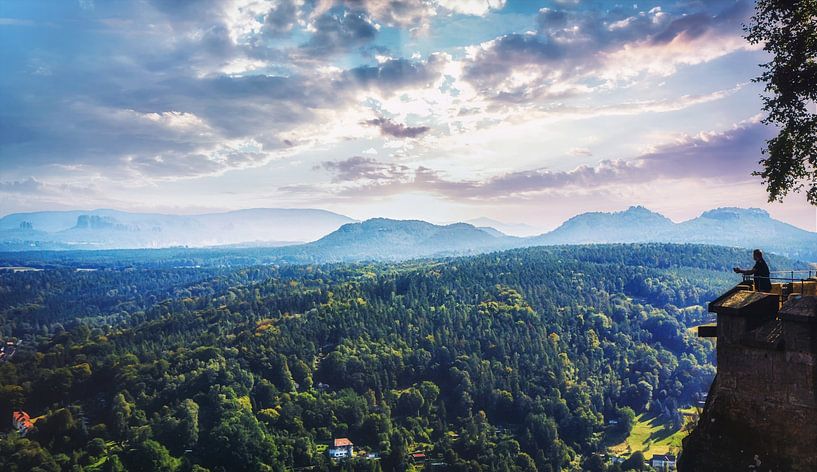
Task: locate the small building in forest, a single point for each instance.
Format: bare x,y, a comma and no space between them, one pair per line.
418,457
341,448
21,422
663,462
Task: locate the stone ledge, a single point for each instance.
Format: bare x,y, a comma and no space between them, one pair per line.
800,309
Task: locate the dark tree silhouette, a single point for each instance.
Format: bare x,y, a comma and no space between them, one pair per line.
788,30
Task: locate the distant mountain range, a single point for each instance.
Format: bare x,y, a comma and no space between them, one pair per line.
384,239
338,238
637,224
736,227
109,229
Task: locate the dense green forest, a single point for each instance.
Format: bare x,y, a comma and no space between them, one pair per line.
521,360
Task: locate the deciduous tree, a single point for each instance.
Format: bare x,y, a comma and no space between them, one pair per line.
788,30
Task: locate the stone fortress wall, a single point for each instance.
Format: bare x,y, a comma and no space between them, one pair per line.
761,411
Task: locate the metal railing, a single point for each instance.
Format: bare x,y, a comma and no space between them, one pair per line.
801,276
810,273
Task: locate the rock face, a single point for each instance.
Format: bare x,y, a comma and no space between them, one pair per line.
98,222
761,412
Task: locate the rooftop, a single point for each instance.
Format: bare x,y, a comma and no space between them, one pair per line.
802,309
342,442
734,301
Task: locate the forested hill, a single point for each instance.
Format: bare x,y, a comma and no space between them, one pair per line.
520,360
737,227
384,239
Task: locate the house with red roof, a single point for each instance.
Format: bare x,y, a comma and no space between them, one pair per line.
418,457
21,422
341,448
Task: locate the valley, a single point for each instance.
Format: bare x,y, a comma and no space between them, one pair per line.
519,359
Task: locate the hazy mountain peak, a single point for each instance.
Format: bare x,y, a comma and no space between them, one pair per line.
401,225
515,229
390,224
640,210
383,238
105,228
734,212
340,238
460,225
98,222
639,213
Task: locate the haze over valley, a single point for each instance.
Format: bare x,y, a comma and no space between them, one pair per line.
306,236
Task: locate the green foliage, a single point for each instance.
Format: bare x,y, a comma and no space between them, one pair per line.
150,456
510,361
634,462
788,30
23,455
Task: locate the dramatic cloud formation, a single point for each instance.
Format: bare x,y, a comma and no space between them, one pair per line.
721,156
454,106
573,49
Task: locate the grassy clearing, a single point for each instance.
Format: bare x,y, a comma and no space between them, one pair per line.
652,436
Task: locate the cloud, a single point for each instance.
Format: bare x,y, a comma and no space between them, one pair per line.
397,130
191,13
212,160
340,31
400,13
496,59
34,188
550,19
359,168
413,14
730,155
727,156
132,122
726,15
54,192
573,48
395,74
637,107
29,185
281,18
580,152
472,7
167,90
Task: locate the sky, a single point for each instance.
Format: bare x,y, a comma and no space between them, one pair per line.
442,110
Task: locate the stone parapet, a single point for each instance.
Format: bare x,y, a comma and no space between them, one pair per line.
761,412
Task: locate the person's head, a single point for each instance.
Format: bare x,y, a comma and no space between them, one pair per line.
757,254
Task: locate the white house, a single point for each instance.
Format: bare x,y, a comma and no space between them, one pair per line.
341,448
663,461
